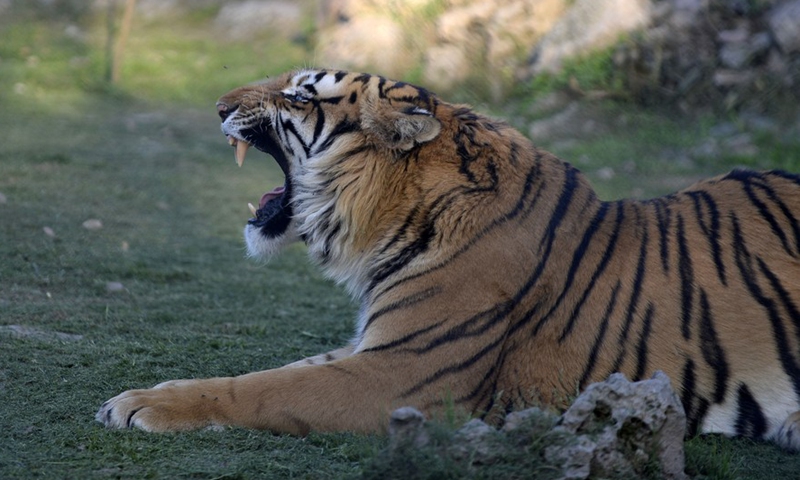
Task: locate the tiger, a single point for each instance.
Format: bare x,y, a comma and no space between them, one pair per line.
489,275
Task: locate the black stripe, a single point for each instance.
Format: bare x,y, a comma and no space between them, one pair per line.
633,304
381,84
786,300
319,125
641,349
332,232
518,208
403,303
289,127
363,78
688,385
750,419
332,100
664,221
747,177
474,326
342,128
480,387
580,254
711,229
546,244
598,341
418,246
687,280
694,413
455,368
339,76
713,353
404,339
607,254
320,76
744,262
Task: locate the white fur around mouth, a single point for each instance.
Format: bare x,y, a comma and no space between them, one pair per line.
241,149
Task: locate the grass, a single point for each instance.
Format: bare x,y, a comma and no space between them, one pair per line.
147,159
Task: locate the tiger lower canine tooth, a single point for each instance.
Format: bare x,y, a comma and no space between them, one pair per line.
241,151
252,208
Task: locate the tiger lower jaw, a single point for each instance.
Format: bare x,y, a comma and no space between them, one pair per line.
263,246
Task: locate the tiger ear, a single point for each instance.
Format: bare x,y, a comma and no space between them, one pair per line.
399,128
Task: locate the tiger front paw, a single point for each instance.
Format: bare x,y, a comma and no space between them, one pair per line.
170,406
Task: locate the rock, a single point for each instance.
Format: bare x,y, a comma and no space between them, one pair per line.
737,54
784,23
368,42
477,36
732,78
614,429
531,418
589,25
114,287
605,173
3,198
24,331
49,232
627,421
244,20
574,459
93,224
474,440
407,427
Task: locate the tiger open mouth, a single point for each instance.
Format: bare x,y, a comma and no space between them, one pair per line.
274,212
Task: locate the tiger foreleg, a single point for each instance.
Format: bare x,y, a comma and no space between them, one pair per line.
347,395
337,354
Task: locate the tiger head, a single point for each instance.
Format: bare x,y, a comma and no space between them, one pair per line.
343,141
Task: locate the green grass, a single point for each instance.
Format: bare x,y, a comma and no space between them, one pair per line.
147,159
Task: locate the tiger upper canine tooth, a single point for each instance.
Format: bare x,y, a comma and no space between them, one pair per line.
231,141
252,208
241,151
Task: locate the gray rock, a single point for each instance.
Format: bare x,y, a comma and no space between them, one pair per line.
474,440
243,20
371,42
589,25
784,23
737,54
615,429
532,418
627,421
407,427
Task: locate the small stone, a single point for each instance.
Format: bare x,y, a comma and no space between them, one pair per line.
93,224
114,287
732,78
407,425
474,440
606,173
49,232
125,246
3,198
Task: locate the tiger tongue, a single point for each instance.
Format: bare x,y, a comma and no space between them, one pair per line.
275,193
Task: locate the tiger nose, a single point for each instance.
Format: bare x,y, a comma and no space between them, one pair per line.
224,110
